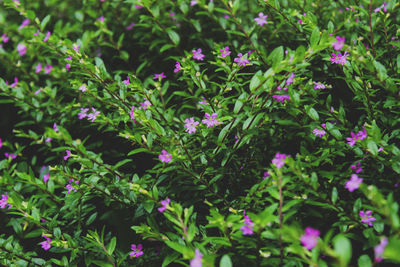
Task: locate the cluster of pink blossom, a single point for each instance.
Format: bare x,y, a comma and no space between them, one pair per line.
361,135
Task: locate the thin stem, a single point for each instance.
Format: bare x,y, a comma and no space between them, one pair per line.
370,27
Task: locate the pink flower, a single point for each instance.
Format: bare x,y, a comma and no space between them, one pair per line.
241,60
15,83
196,261
159,76
83,88
366,217
83,112
380,248
191,125
281,98
138,7
203,102
338,45
101,18
21,48
136,250
290,79
318,85
67,66
197,54
279,160
130,26
38,68
93,116
339,59
361,135
247,229
319,132
38,91
310,238
165,156
4,202
352,140
126,82
76,47
193,2
1,143
10,156
46,177
356,168
48,68
70,187
46,244
177,67
262,19
266,174
353,183
132,116
145,104
164,204
5,38
46,38
210,120
24,23
68,154
225,52
55,127
280,88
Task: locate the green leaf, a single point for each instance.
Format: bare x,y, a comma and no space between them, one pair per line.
91,218
372,147
44,22
173,36
342,247
111,245
148,205
225,261
312,113
334,195
314,38
256,80
364,261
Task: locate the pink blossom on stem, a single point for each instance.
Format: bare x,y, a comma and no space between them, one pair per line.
210,120
164,204
83,88
339,59
5,38
132,115
241,60
247,228
290,79
318,85
68,154
353,183
338,45
310,238
279,160
225,51
177,67
352,140
165,156
48,68
159,76
83,113
38,68
130,26
15,83
380,248
126,82
318,132
366,217
46,244
4,202
281,98
21,48
196,261
93,116
46,38
145,104
191,125
24,23
136,250
262,19
356,168
197,54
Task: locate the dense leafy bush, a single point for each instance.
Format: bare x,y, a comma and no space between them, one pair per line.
201,133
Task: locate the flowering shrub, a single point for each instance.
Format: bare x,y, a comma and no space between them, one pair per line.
199,133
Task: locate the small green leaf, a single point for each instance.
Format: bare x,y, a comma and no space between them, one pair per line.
364,261
225,261
173,36
314,38
111,245
312,113
342,247
373,148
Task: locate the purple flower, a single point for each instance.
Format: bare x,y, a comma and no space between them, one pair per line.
5,38
281,98
196,261
197,54
1,143
210,120
67,66
83,112
164,204
76,48
380,248
136,250
93,116
310,238
191,125
83,88
225,52
55,127
15,83
353,183
38,68
130,26
319,132
10,156
262,19
165,156
339,59
159,76
241,60
193,2
203,102
290,79
46,38
366,217
177,67
24,23
318,85
247,229
145,104
101,18
280,88
356,168
70,187
46,177
338,45
132,116
4,202
126,82
48,68
68,154
361,135
279,160
21,48
352,140
266,174
46,244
